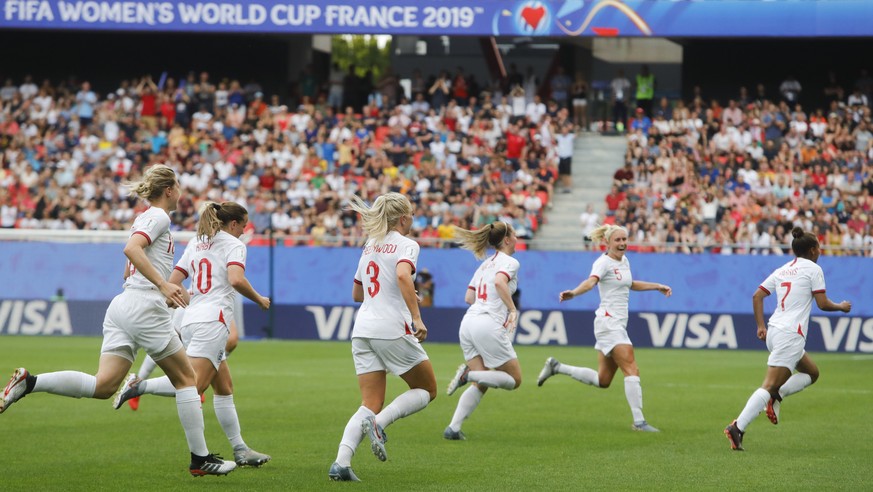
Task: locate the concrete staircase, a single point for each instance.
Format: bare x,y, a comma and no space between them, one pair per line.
595,160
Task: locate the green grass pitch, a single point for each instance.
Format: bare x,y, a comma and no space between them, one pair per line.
294,399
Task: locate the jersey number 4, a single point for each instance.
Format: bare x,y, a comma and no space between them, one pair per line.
482,292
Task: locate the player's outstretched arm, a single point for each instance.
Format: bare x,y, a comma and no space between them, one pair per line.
580,289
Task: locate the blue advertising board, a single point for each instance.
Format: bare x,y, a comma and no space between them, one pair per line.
851,333
555,18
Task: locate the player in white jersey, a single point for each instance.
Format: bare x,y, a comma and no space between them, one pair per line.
388,329
612,275
139,318
795,284
486,330
215,260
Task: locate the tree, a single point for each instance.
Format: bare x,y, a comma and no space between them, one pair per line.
363,52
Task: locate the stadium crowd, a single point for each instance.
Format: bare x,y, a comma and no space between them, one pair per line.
697,177
463,159
736,178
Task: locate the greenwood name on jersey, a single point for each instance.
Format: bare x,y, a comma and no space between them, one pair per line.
384,314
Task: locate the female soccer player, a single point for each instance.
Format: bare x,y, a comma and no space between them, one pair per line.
139,318
488,324
388,330
612,276
215,260
796,284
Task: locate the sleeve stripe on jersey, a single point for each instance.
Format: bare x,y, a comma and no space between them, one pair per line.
404,260
508,278
596,276
145,236
765,290
237,264
359,282
471,287
185,272
818,291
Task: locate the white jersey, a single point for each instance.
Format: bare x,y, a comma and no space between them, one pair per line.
483,283
614,281
154,225
206,263
794,285
384,313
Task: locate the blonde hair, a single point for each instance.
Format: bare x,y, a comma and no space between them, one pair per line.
605,232
382,216
155,181
214,216
478,241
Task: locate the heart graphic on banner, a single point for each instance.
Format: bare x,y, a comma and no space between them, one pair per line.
533,16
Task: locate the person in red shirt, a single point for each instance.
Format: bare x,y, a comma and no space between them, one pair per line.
149,110
168,112
614,199
515,144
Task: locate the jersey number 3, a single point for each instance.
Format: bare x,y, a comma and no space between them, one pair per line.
373,272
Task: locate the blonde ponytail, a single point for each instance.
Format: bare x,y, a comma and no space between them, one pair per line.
381,217
479,240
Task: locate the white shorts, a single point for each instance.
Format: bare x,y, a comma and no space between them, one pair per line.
138,318
786,349
397,356
483,336
609,332
206,341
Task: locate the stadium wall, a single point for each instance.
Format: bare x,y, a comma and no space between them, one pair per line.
710,307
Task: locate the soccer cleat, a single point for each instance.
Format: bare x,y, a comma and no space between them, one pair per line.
342,473
452,435
735,436
773,407
459,380
134,403
377,437
211,465
644,426
250,457
15,389
549,370
130,389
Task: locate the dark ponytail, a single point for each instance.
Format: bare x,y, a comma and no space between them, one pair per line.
803,243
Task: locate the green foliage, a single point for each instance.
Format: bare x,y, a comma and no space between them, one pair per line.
294,399
363,52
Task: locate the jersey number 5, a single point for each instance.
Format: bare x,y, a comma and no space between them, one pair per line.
373,272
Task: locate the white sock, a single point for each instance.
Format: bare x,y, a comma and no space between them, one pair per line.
581,374
352,436
147,368
403,406
66,383
756,404
634,394
191,416
468,402
492,379
158,386
795,384
225,412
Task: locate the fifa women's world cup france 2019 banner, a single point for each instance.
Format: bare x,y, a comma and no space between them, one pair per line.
674,18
